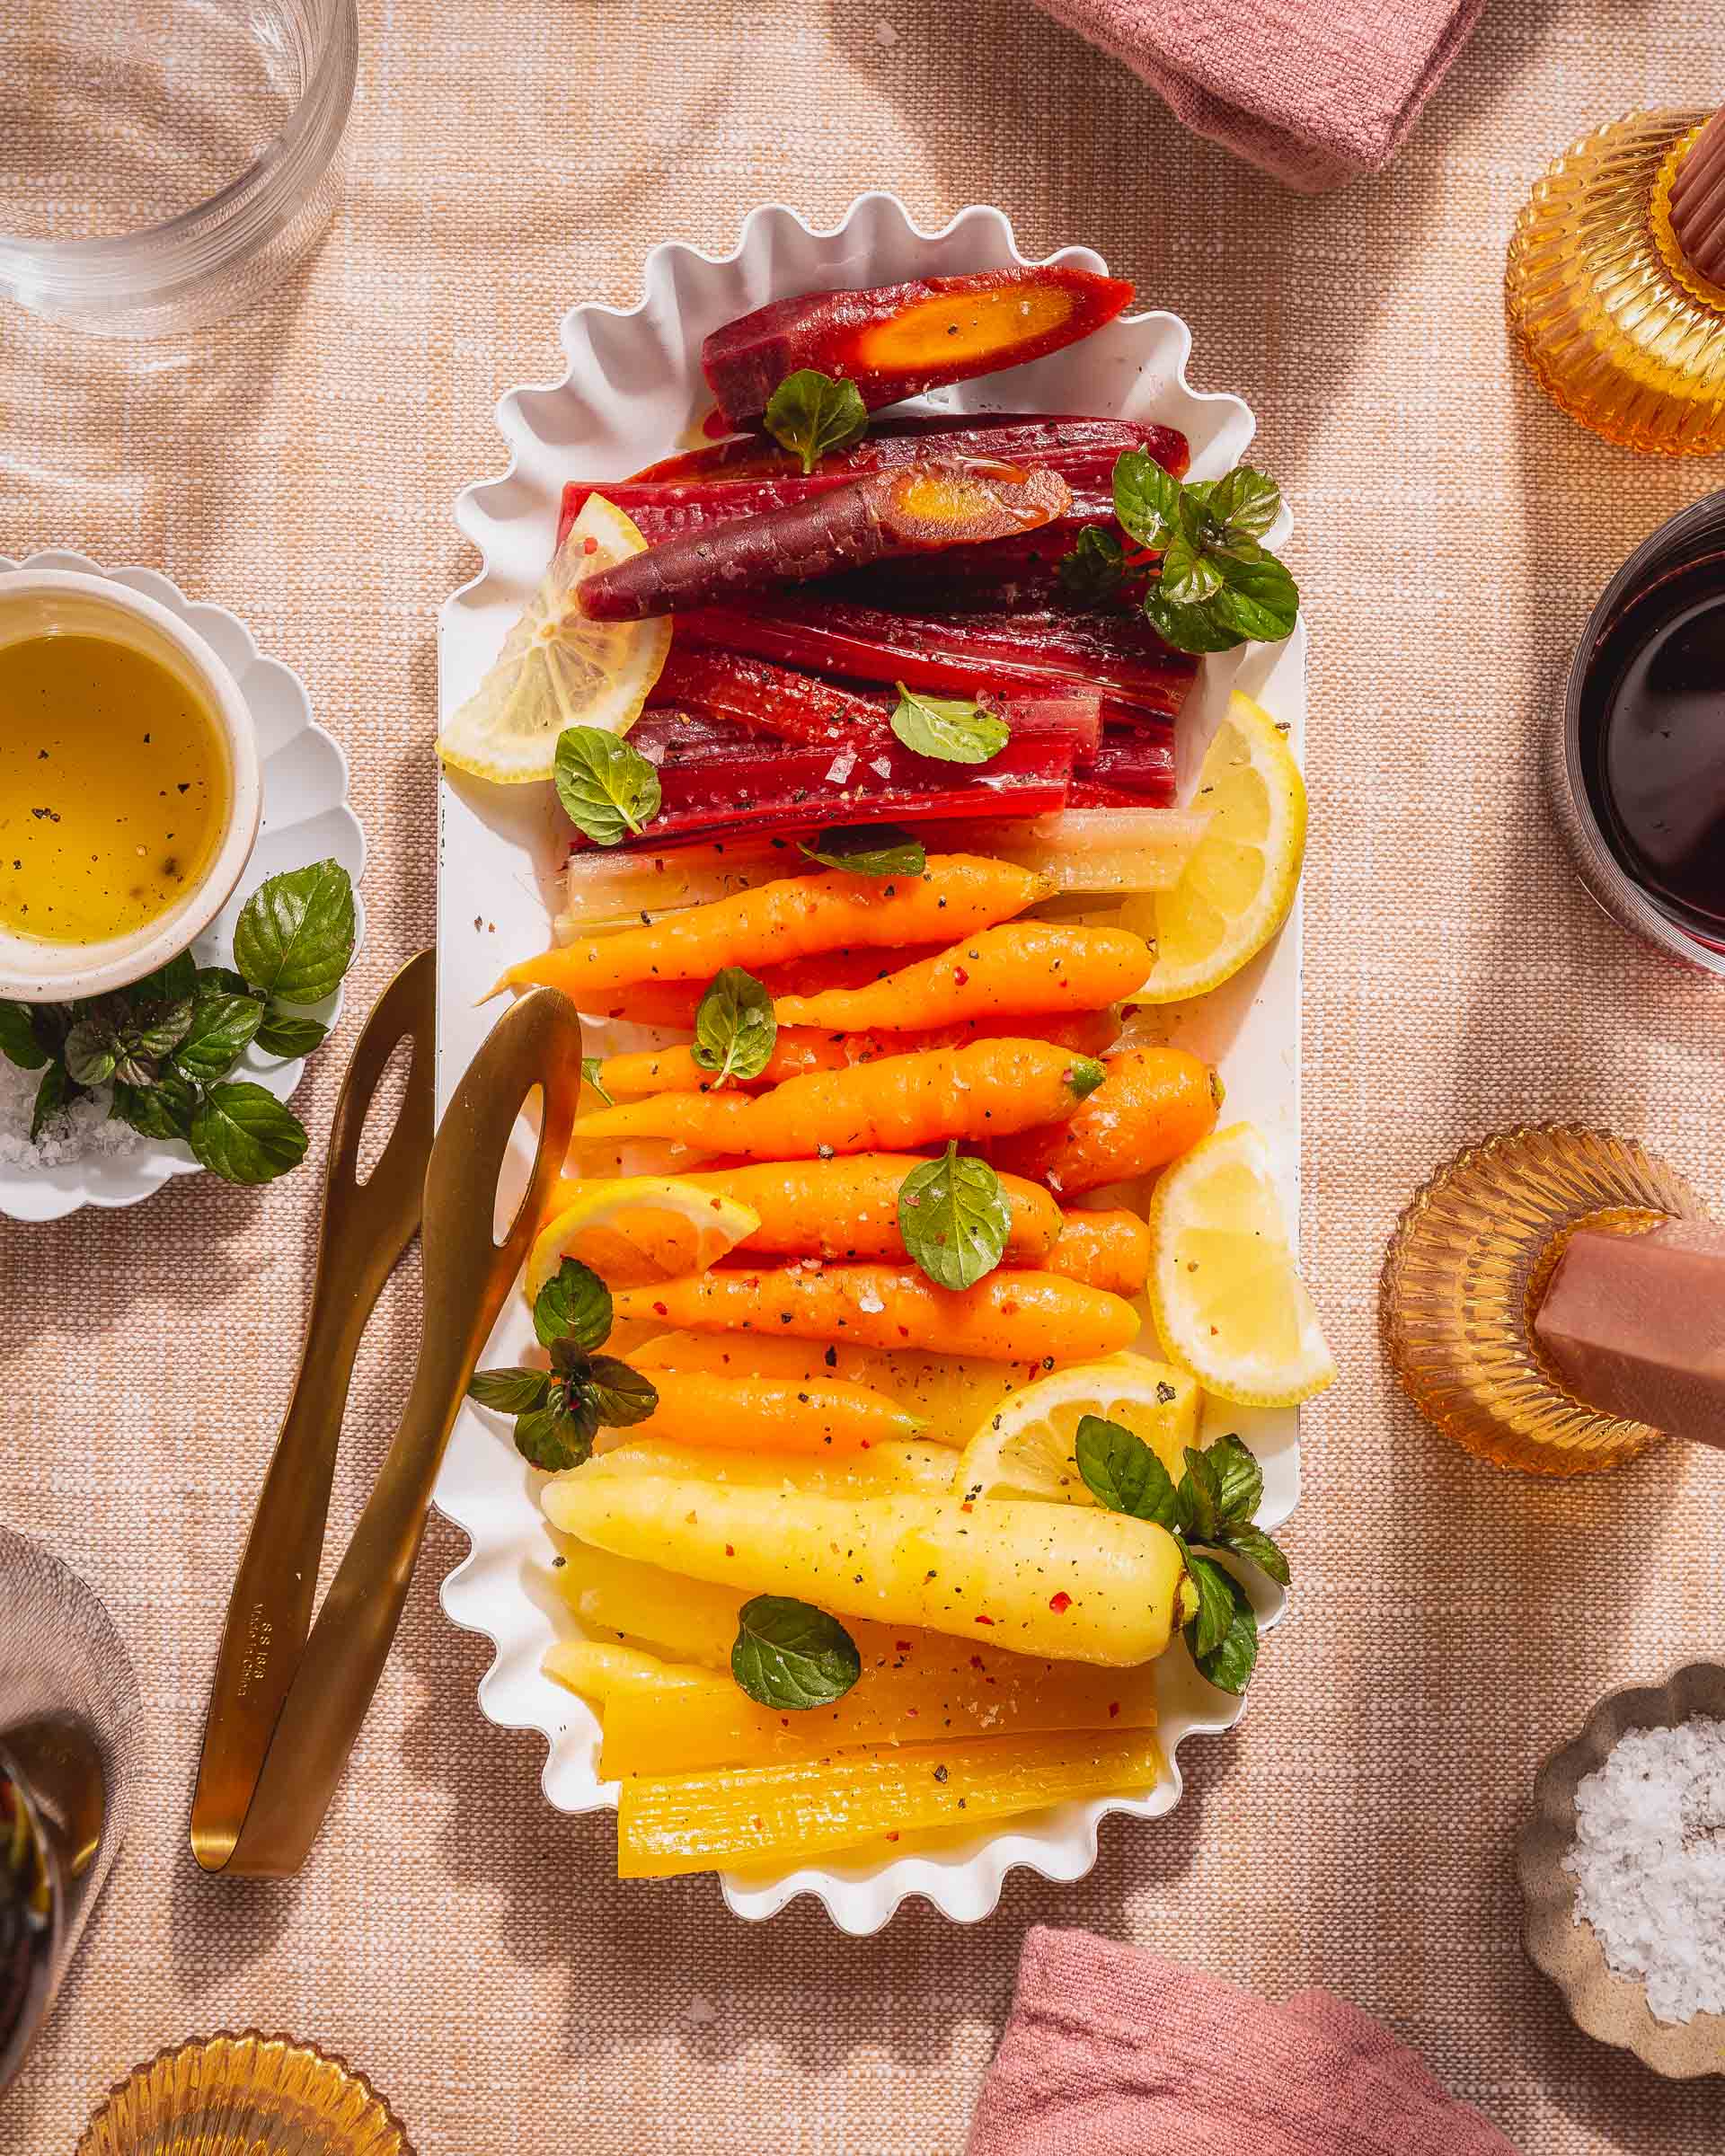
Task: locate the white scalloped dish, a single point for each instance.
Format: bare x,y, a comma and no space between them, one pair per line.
632,392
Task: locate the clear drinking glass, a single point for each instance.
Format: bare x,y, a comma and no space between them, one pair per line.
163,161
68,1716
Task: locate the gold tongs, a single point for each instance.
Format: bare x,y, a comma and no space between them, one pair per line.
289,1697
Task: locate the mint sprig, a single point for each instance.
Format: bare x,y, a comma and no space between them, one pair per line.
950,729
558,1412
867,850
810,413
1210,1512
955,1219
610,791
788,1653
735,1028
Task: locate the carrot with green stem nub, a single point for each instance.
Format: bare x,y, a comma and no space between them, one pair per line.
956,895
1024,967
1154,1105
769,1414
990,1089
801,1049
1108,1250
1008,1317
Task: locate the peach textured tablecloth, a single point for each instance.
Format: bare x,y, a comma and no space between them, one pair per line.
465,1944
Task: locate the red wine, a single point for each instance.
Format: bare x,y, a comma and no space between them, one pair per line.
1652,728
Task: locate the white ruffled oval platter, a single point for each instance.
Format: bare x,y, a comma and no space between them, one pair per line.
305,819
633,391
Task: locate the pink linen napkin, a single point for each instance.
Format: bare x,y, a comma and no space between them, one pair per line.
1111,2051
1314,91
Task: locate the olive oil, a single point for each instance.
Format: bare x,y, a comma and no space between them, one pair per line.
114,788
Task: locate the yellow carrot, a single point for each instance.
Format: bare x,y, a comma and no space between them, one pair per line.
1108,1250
1025,967
601,1672
891,1466
1022,1316
1154,1105
1070,1582
750,1414
956,895
991,1089
760,1815
849,1207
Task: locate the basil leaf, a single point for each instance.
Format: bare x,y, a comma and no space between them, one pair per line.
17,1041
169,984
1189,576
245,1136
1096,568
1122,1472
1239,1482
951,729
610,791
555,1437
295,935
790,1655
1194,629
1257,1548
734,1027
1258,600
162,1110
1216,1593
954,1218
515,1391
573,1305
91,1051
221,1028
809,413
1146,499
1196,1497
54,1096
281,1034
1242,504
591,1065
868,849
620,1395
1230,1663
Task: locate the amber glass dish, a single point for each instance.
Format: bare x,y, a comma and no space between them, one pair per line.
244,2096
1619,331
1467,1266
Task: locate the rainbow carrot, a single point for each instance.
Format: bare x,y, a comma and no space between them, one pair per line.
767,1414
1154,1105
849,1208
1108,1249
1025,967
676,1002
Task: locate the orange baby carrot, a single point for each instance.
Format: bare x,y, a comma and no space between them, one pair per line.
993,1087
801,1049
1155,1104
1105,1249
676,1002
1025,967
769,1414
956,895
1007,1317
849,1208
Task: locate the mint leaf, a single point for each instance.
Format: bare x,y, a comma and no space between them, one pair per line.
281,1034
591,1065
1122,1472
950,729
1216,1594
1242,506
221,1028
1096,568
1257,1548
1146,499
509,1391
610,791
92,1051
573,1306
810,413
1189,576
162,1110
1239,1482
245,1136
789,1655
1193,628
54,1096
954,1218
734,1027
1259,599
1230,1663
554,1437
17,1041
619,1395
1197,1496
296,933
868,849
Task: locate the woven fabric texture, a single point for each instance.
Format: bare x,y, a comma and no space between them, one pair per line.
451,1934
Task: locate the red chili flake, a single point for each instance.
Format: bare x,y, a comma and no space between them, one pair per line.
901,1647
966,1506
985,1620
589,546
893,1836
661,1310
960,978
1010,1310
1113,1710
729,1550
1060,1603
977,1662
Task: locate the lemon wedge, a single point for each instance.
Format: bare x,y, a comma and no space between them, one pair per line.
635,1230
1239,881
1026,1448
1227,1300
556,668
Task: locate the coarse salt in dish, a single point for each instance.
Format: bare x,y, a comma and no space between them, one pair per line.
1649,1863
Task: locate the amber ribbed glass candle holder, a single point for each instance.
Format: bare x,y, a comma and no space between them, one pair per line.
1466,1269
244,2096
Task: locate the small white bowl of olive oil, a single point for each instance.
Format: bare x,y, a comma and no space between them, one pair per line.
129,785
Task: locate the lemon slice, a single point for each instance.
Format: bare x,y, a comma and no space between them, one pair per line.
634,1230
556,668
1025,1449
1235,889
1228,1300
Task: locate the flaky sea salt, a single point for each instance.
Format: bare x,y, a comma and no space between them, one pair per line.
82,1129
1649,1862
